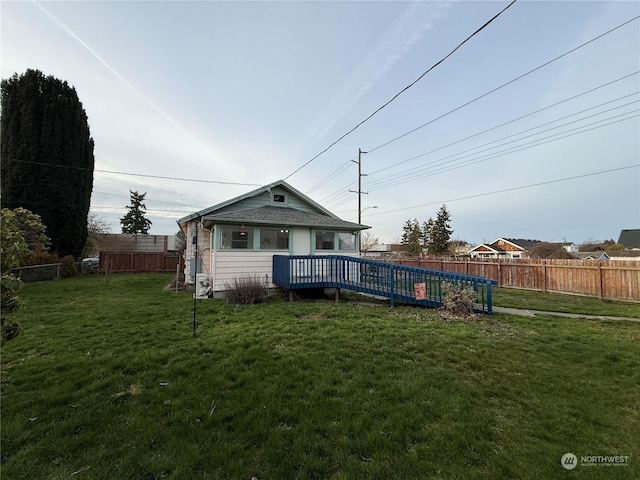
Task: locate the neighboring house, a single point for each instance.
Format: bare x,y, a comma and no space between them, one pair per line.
630,239
241,236
587,255
569,247
628,255
506,248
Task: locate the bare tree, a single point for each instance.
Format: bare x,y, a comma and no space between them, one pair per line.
98,232
367,241
548,250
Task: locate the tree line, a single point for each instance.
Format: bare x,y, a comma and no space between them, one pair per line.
431,237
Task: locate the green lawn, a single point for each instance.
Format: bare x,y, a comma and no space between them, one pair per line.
108,382
553,302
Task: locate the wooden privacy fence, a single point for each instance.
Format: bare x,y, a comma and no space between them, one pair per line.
614,280
140,262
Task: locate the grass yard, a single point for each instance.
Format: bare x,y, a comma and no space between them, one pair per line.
553,302
107,382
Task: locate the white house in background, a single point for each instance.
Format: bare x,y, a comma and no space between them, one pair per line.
570,247
503,248
241,236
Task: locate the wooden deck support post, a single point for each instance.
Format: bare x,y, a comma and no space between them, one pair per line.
291,295
337,295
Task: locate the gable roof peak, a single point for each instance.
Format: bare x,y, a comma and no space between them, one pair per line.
255,193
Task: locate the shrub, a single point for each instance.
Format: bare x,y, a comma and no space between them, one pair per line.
41,257
458,299
68,267
246,289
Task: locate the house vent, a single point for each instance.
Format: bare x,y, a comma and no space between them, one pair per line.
278,198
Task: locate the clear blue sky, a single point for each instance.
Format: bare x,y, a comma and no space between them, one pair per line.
247,92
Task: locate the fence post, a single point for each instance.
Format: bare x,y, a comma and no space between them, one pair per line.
392,273
544,275
599,279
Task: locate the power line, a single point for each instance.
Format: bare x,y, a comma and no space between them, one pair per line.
113,172
508,151
575,177
508,122
373,149
412,172
506,84
404,89
338,194
180,179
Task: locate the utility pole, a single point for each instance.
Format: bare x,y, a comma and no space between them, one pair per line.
359,191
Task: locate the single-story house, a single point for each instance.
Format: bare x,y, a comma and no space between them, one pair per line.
621,255
503,248
241,236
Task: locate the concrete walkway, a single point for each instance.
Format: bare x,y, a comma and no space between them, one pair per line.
533,313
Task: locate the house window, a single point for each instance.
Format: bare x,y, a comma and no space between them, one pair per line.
237,238
325,241
346,241
278,198
274,239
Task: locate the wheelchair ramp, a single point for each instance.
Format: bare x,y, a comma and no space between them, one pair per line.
398,283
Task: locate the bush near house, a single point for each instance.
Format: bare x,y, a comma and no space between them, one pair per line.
246,289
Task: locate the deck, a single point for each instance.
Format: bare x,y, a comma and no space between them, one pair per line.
398,283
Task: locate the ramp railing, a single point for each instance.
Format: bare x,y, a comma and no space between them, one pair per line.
398,283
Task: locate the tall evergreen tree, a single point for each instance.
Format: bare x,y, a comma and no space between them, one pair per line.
427,228
47,156
441,232
412,237
134,221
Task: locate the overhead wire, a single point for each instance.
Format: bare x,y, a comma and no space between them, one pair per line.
130,174
512,189
511,121
428,165
423,172
371,150
342,192
362,122
511,150
508,151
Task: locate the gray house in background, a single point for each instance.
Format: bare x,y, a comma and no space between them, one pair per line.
241,236
630,238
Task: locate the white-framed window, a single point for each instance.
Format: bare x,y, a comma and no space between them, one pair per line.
346,241
274,239
331,240
236,238
325,240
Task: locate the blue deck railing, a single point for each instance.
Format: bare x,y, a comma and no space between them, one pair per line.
400,283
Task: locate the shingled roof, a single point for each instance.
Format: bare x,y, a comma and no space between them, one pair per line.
269,215
630,238
273,215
